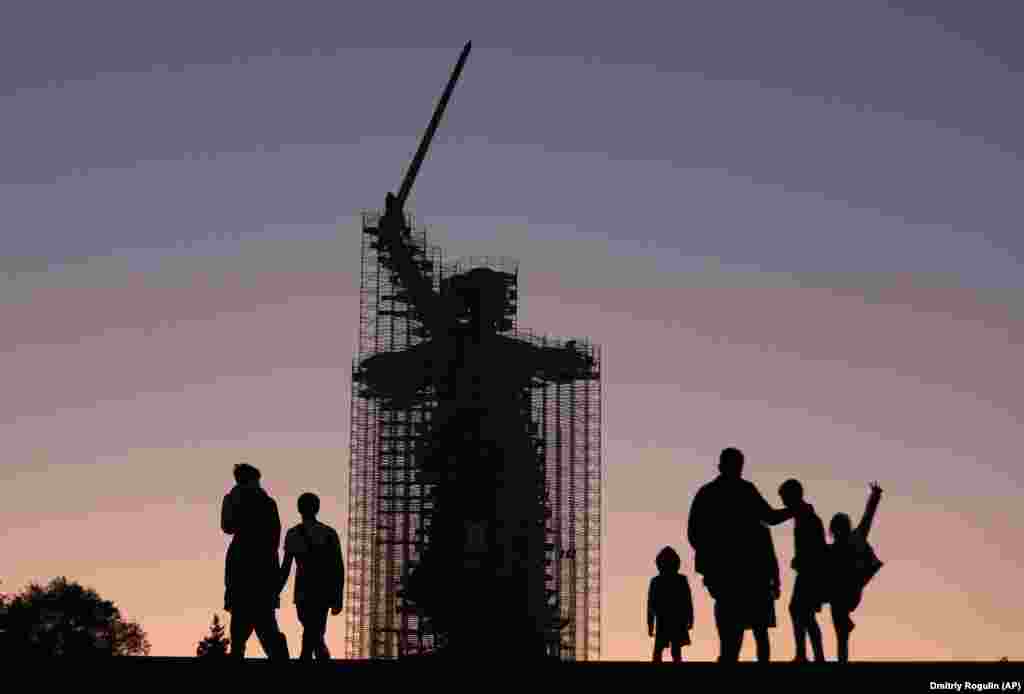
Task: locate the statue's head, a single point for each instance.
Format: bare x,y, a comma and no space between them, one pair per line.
481,296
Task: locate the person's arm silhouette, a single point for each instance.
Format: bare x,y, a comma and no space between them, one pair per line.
775,577
695,527
650,608
766,513
228,516
688,603
275,528
286,564
340,562
869,512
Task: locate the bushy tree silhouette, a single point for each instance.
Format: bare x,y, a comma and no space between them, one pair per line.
214,645
66,619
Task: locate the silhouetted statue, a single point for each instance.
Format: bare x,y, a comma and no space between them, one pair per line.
252,571
724,529
809,564
319,576
485,542
669,607
763,617
852,563
480,453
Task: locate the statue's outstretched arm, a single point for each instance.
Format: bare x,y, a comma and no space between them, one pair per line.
396,376
567,363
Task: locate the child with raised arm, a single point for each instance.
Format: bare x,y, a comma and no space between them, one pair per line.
852,564
669,606
319,578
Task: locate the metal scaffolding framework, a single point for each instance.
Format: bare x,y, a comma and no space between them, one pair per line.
390,508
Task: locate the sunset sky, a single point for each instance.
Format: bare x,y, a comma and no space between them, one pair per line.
793,227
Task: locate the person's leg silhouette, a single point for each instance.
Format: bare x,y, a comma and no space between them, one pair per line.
322,653
764,644
272,640
843,626
241,629
799,629
659,647
306,619
805,623
814,633
730,635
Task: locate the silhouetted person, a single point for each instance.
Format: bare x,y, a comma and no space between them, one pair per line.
319,576
809,564
725,532
852,563
669,606
764,619
252,572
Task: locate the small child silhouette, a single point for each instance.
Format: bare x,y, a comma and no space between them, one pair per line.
669,606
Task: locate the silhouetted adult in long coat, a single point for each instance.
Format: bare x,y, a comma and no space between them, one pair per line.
252,569
724,529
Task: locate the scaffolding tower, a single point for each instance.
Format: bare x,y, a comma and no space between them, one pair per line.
390,507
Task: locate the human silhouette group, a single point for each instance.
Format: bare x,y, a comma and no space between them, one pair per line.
728,530
254,577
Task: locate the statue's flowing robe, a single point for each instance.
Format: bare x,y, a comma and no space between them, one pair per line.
483,460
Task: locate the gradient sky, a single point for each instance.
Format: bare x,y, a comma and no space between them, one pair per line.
794,227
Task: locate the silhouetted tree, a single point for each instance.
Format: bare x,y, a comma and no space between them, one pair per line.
214,645
66,619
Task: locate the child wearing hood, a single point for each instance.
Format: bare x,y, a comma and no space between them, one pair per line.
669,606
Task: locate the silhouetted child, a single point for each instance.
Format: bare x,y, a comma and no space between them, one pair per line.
669,606
809,563
852,564
319,578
